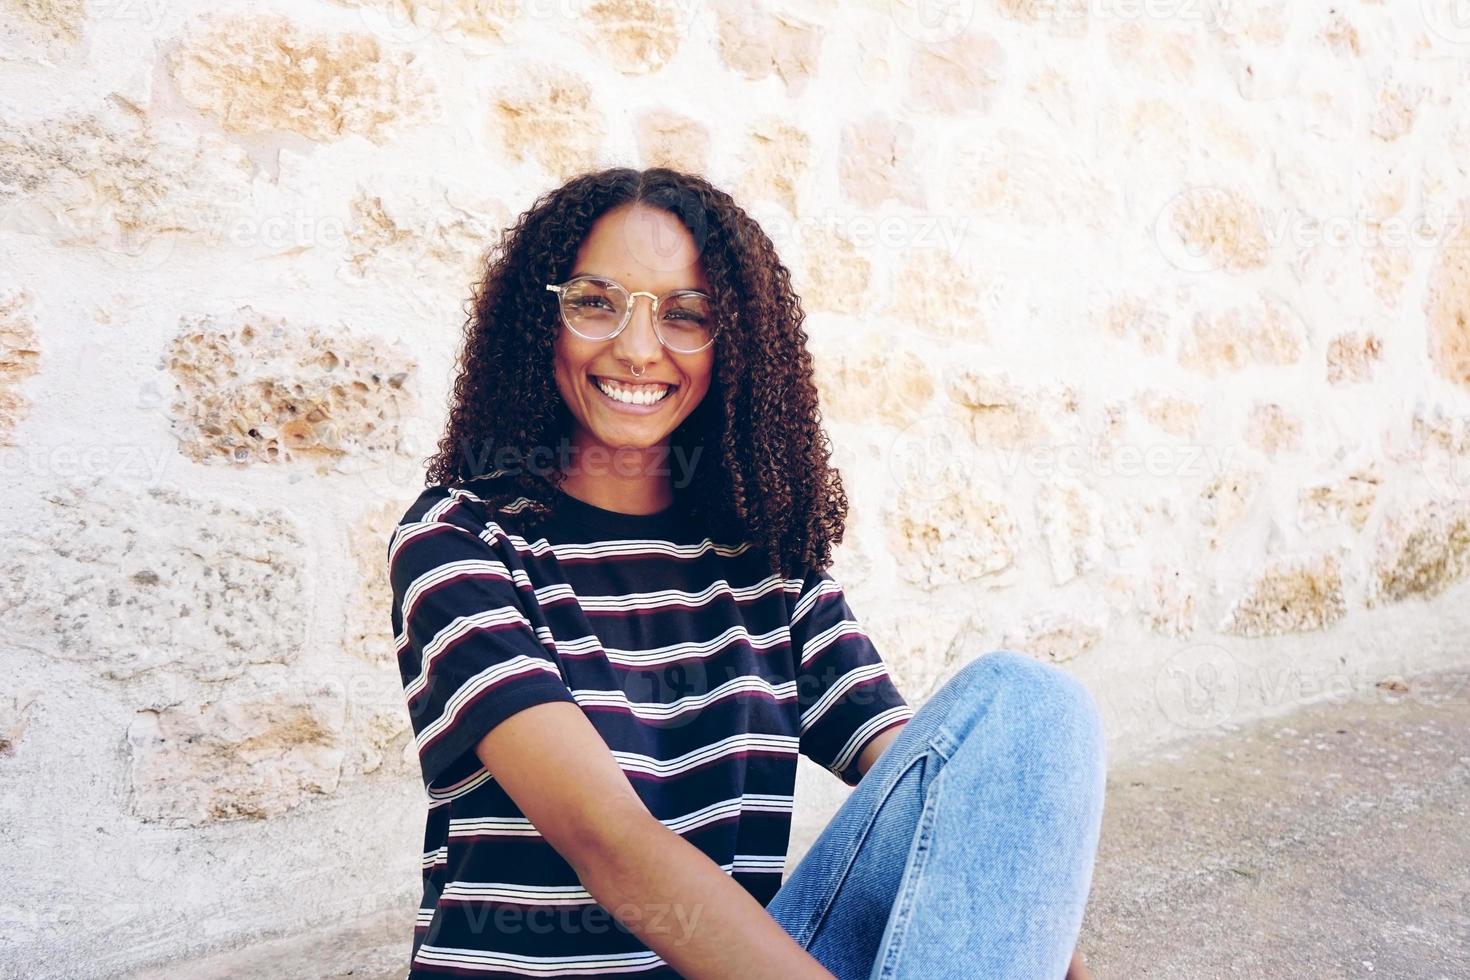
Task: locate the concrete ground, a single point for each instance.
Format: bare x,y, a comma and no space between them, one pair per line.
1330,842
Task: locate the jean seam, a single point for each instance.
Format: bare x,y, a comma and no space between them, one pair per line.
943,743
819,915
903,903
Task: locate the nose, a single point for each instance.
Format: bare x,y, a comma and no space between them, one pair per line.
639,342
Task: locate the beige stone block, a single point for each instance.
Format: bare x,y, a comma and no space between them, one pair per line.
1070,516
1393,115
1059,18
878,160
1348,501
1291,595
670,139
1166,601
1260,23
1059,95
20,360
262,73
414,21
777,155
367,630
1228,133
1422,552
758,42
958,74
1341,36
1438,448
546,114
1224,499
1224,228
1165,55
15,717
40,27
381,743
1391,266
112,178
416,229
876,49
953,531
1056,635
1351,357
255,389
1136,319
836,275
1004,414
1270,428
1265,334
637,37
871,381
1432,429
1170,412
1447,304
131,581
264,746
1157,128
1385,193
921,652
942,295
1028,179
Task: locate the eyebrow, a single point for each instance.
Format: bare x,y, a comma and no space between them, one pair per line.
599,275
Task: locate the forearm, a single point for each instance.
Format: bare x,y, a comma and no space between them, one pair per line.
685,907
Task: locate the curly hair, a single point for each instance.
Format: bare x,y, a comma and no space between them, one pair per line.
770,484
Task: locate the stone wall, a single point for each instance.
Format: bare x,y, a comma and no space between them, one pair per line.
1143,330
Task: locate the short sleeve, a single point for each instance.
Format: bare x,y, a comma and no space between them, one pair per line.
843,688
468,656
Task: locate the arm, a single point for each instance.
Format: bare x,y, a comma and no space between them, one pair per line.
876,746
665,890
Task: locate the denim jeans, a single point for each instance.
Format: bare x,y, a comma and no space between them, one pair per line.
967,849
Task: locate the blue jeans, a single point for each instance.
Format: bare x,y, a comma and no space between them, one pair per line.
967,849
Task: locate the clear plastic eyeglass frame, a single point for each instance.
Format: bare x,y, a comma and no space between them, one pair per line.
628,310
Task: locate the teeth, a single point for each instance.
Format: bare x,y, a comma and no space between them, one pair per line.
639,395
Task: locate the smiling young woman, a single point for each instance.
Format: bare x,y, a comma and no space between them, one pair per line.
617,633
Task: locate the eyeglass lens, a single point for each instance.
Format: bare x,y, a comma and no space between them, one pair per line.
595,308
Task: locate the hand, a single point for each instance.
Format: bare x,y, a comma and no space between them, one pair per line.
1077,970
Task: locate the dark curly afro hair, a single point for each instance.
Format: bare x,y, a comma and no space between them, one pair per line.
770,483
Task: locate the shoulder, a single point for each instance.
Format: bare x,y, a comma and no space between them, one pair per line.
487,508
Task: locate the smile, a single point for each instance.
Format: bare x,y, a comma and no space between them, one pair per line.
632,396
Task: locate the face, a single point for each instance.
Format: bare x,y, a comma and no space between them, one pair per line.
642,248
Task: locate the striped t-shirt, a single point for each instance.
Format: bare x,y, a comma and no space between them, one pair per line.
705,674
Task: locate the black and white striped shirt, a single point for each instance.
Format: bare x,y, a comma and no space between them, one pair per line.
703,672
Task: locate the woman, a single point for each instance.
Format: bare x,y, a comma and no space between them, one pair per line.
616,633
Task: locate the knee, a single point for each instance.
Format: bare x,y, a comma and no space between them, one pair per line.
1037,702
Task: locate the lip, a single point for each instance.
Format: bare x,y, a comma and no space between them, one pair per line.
617,406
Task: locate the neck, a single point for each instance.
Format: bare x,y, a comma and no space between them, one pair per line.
629,481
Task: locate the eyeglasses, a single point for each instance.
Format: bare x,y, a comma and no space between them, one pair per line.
598,308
